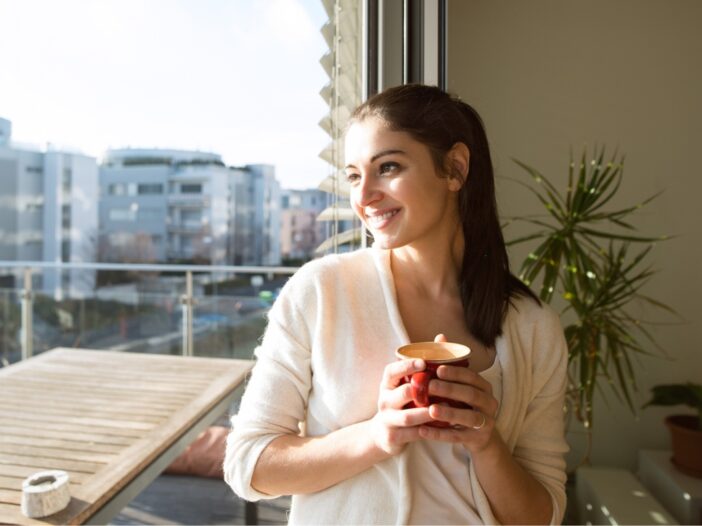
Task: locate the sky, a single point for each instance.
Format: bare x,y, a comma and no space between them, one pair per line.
240,78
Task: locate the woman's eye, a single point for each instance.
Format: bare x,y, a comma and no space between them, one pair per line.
352,177
388,167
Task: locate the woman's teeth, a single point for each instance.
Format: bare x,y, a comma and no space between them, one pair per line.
375,220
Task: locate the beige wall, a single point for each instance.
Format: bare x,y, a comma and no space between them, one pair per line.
548,75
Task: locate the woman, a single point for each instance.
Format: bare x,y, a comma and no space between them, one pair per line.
322,418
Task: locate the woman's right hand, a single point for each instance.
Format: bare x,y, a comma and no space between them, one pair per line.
393,426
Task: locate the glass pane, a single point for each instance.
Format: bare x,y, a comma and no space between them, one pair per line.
196,152
230,312
10,323
181,117
138,312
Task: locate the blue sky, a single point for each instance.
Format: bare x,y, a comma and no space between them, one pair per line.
237,77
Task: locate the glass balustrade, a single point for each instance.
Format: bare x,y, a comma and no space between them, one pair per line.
160,309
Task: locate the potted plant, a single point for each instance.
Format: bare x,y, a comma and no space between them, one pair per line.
685,430
583,261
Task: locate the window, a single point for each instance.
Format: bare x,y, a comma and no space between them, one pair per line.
66,180
66,217
118,189
122,214
150,188
190,188
33,250
191,217
65,250
35,170
195,154
34,217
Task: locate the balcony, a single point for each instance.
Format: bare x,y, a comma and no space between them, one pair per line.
204,311
193,227
189,201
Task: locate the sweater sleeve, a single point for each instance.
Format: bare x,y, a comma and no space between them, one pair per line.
275,399
541,445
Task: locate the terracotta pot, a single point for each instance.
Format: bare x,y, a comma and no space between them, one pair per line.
687,444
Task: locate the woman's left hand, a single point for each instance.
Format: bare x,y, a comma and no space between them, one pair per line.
473,427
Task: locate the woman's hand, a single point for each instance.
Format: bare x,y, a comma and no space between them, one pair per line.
475,427
394,427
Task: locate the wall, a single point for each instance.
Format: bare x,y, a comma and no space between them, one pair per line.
547,76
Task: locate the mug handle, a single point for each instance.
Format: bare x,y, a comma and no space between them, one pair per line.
420,389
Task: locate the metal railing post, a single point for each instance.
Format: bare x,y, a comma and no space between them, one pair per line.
27,307
187,301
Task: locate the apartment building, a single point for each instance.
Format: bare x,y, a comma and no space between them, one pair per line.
187,206
48,211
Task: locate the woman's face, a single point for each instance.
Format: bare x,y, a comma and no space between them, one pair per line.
395,188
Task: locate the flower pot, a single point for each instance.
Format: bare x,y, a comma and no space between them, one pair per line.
687,444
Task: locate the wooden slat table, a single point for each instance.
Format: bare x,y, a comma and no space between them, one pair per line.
112,420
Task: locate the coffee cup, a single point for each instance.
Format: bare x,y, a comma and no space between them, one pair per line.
434,355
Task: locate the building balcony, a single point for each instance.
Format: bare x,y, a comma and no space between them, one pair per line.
189,228
203,311
189,201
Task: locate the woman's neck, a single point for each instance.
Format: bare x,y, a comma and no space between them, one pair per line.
431,267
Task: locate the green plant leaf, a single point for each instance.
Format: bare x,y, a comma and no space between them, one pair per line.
657,303
606,235
583,254
552,206
612,174
539,178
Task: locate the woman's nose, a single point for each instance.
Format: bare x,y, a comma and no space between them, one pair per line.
367,192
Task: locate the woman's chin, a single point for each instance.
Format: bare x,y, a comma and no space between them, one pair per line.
385,242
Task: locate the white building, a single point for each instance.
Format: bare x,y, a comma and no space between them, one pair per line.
185,206
263,214
48,211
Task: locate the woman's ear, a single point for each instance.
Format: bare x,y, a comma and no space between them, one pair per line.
457,163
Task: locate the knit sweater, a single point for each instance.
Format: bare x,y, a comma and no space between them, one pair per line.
330,334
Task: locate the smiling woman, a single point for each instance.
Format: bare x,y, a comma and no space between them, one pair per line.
395,189
421,181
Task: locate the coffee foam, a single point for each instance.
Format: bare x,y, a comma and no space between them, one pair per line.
434,351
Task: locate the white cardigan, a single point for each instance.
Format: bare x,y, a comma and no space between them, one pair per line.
338,316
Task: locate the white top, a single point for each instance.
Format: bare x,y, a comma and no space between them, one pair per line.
433,501
338,316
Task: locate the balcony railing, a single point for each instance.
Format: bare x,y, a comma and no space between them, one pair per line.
173,309
189,200
189,228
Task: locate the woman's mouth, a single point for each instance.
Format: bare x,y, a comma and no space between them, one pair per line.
380,221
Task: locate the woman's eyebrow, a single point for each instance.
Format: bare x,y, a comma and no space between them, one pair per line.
379,155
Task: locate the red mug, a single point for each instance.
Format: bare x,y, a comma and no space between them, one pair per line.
434,354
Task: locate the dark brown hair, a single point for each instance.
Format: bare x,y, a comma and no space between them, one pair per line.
439,120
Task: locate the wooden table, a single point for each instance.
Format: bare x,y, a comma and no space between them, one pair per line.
112,420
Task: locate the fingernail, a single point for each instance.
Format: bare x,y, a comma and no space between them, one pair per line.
418,364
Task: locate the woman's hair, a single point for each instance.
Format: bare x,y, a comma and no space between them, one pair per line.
439,121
